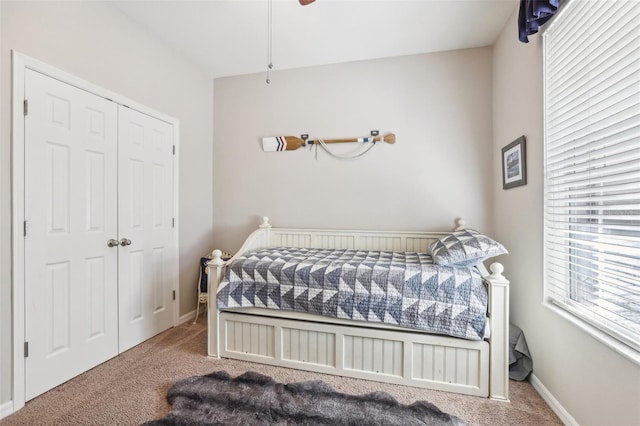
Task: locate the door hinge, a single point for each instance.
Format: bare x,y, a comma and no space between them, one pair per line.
174,295
174,150
26,349
173,222
25,105
25,228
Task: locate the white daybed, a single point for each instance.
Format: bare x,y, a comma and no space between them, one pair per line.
373,351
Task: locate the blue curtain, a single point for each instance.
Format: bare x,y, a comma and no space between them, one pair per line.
533,14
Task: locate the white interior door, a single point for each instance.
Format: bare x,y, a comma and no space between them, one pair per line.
71,299
148,257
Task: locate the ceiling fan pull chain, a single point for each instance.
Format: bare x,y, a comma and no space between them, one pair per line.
269,40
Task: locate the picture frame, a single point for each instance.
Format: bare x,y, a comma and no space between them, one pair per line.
514,164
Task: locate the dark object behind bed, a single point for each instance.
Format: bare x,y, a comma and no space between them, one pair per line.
520,362
204,278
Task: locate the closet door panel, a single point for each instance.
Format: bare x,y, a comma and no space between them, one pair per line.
71,303
148,269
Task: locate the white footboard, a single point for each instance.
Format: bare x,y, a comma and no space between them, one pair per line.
363,351
499,339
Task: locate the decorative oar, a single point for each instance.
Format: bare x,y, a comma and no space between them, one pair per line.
289,143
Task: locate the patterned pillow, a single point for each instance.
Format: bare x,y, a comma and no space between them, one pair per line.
465,248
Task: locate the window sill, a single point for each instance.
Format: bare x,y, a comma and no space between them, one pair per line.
615,345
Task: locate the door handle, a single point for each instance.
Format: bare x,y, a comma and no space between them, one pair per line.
125,242
112,243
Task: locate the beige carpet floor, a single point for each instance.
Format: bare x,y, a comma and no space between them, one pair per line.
130,388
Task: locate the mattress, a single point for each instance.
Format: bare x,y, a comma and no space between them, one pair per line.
399,288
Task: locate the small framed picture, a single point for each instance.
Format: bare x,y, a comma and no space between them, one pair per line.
514,164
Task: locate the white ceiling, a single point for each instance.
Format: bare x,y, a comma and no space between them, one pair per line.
230,37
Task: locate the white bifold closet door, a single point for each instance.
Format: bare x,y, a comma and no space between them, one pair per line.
100,251
147,265
71,275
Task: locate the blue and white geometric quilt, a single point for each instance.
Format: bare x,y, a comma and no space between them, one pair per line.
400,288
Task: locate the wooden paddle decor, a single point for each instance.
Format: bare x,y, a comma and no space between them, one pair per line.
289,143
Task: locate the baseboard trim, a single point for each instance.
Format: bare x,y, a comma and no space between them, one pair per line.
6,409
555,405
189,316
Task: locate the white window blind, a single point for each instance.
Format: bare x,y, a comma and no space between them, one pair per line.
592,165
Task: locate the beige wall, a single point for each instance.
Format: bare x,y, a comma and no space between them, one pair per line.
97,43
592,382
440,168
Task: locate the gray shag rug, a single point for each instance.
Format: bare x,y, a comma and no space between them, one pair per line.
256,399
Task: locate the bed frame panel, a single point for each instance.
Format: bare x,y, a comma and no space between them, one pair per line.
401,357
378,352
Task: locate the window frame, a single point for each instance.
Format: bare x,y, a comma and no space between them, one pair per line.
574,312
